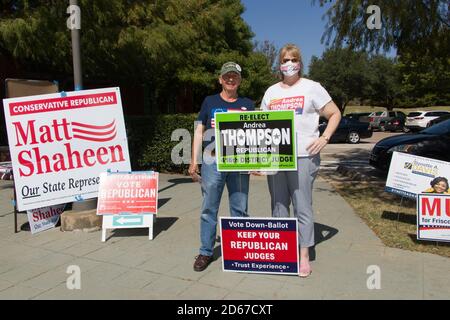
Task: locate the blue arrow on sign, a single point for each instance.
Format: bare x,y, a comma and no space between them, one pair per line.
128,220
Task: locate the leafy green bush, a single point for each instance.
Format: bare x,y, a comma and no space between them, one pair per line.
150,144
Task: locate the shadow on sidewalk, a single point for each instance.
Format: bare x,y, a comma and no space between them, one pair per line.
175,182
163,201
322,233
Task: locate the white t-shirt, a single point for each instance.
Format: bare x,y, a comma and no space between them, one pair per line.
306,97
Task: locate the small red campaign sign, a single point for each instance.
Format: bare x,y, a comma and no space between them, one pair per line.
260,245
433,217
128,193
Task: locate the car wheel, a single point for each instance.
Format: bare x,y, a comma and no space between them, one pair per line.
405,129
382,128
353,137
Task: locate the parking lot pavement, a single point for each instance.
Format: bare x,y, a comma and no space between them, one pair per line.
129,266
351,155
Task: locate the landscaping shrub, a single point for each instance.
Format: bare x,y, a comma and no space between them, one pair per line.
150,144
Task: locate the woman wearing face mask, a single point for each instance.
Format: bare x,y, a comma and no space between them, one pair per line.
310,101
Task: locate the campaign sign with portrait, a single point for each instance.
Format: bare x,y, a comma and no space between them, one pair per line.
255,141
410,175
260,245
60,143
433,217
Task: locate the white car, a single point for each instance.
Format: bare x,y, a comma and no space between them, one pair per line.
418,120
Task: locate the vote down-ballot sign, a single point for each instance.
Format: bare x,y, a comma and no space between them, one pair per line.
260,245
255,141
128,200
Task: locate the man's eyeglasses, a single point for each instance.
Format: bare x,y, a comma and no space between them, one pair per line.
294,60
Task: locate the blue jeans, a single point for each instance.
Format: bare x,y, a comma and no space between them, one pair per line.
213,183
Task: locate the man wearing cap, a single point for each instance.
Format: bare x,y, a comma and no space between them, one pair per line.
212,181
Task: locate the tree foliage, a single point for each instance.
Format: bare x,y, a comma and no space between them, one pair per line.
417,29
384,83
349,75
166,44
343,73
404,23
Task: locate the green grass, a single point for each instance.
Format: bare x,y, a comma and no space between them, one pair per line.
352,109
393,221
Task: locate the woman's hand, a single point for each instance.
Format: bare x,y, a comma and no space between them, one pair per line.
331,112
317,145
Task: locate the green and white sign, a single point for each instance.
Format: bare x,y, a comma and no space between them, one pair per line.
255,141
128,220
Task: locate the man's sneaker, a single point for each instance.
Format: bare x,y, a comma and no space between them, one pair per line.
202,262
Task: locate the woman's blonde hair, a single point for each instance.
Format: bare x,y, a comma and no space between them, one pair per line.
293,50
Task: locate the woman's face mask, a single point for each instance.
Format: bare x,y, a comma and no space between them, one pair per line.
290,68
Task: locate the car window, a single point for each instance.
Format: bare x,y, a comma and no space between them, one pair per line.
435,113
414,114
378,113
392,114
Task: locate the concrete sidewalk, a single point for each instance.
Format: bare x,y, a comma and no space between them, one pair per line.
129,266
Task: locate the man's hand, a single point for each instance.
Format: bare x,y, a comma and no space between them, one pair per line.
316,146
194,172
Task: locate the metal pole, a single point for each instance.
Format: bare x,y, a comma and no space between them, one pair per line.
77,75
78,84
15,210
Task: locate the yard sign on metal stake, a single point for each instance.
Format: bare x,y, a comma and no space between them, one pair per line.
128,200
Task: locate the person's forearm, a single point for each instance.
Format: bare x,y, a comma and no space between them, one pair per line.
333,123
197,144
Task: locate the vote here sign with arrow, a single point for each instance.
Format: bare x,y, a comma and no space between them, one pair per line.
128,200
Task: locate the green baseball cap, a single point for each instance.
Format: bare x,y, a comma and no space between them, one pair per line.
230,67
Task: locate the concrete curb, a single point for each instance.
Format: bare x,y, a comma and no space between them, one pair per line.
86,221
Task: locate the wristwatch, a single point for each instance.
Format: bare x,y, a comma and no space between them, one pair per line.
327,139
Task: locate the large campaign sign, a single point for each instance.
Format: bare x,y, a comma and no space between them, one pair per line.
60,143
410,175
433,217
255,141
260,245
128,200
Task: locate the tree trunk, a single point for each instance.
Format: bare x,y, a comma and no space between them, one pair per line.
343,105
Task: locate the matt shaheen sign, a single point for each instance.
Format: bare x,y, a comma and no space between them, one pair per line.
255,141
60,143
